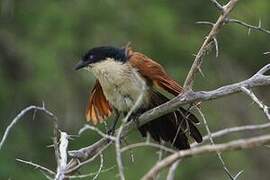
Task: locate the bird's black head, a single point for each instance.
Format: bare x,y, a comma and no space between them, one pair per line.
99,54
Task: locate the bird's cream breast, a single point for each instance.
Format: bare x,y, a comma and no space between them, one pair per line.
121,84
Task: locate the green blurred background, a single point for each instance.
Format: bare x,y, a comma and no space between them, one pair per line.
41,41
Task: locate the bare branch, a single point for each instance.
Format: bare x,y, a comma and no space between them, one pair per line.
87,126
62,161
144,144
37,166
229,146
90,174
250,27
226,131
207,44
172,170
257,101
20,115
218,6
213,143
100,167
206,23
186,98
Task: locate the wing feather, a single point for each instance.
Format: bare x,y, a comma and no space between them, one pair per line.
98,108
154,72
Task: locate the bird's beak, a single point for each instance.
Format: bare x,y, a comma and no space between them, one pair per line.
80,64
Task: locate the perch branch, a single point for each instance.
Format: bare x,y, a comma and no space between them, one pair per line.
259,79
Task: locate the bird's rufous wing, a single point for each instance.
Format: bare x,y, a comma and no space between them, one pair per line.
98,108
154,72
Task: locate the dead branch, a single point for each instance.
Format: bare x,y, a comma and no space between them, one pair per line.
172,170
249,26
145,144
37,166
20,115
237,129
257,101
62,156
209,134
229,146
259,79
207,44
218,5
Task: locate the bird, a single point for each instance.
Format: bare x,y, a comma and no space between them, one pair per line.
122,76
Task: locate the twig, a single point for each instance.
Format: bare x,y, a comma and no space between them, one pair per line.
213,143
87,126
207,44
143,144
89,174
226,131
100,167
257,101
250,27
20,115
218,6
206,23
37,166
229,146
172,170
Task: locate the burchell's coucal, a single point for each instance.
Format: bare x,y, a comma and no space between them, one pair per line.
119,73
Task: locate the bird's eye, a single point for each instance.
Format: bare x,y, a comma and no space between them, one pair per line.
91,57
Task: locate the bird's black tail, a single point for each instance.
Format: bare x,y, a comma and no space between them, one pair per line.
173,127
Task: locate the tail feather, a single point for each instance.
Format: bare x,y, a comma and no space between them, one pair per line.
171,127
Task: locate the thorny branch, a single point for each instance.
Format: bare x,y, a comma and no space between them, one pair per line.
37,166
88,154
256,100
20,115
209,134
259,79
250,27
232,145
207,44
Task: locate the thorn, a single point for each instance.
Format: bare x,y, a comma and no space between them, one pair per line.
216,45
260,23
201,72
43,104
238,174
205,22
249,31
34,114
